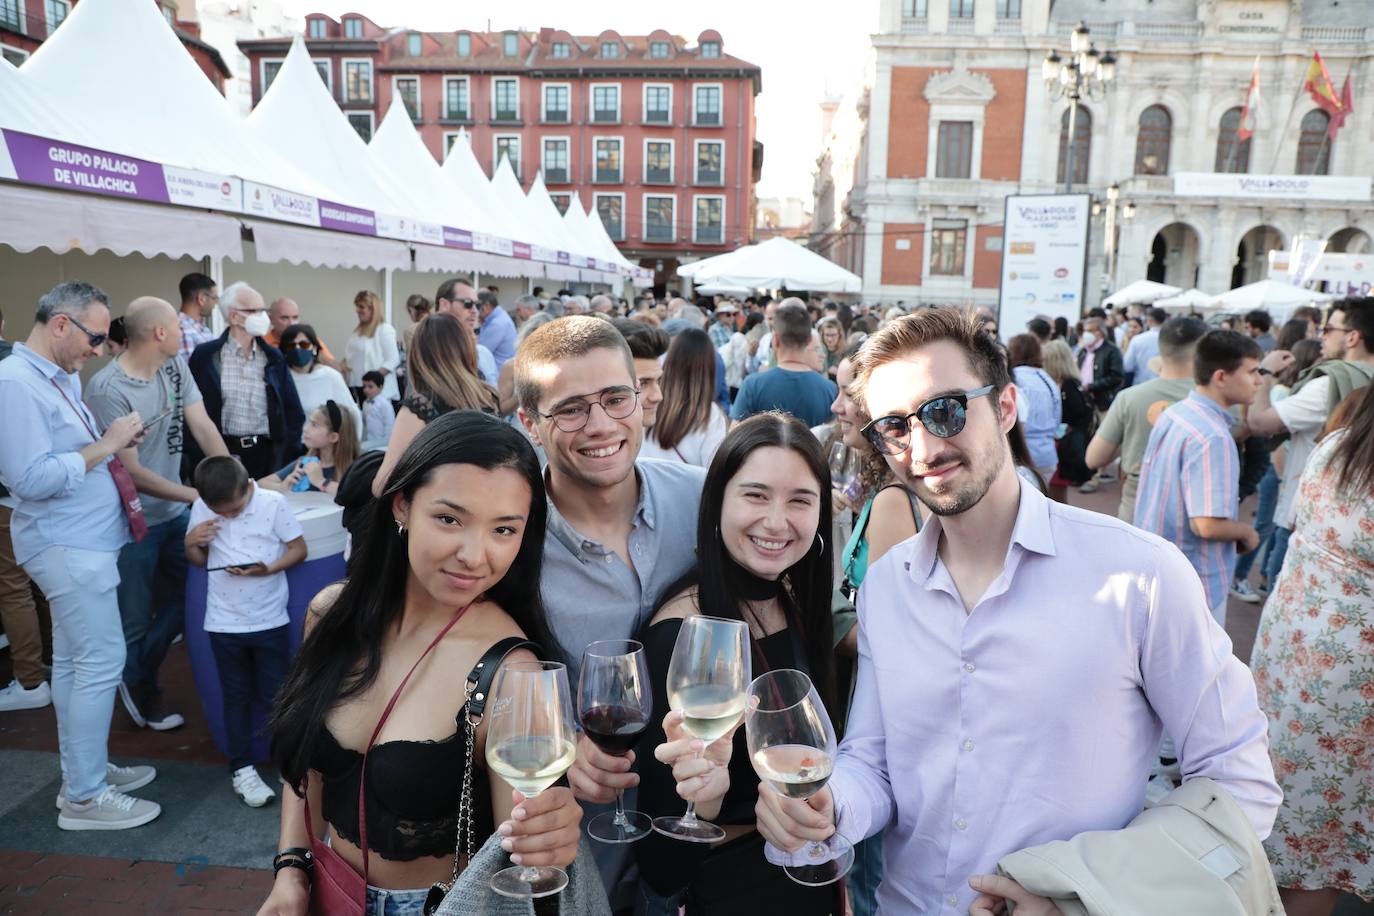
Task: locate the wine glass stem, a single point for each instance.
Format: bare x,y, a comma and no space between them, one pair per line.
620,819
530,873
691,816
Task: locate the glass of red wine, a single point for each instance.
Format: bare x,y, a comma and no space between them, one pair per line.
614,705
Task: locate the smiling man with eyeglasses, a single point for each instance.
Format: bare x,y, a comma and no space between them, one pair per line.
620,531
1018,658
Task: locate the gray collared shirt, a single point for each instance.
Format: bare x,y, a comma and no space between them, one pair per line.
590,593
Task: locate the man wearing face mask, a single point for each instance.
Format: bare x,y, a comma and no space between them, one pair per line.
247,386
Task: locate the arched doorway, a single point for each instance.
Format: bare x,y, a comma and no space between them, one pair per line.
1174,256
1350,241
1252,255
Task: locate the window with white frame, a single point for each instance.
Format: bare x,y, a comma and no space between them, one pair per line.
507,146
57,11
505,100
362,123
451,137
560,50
608,161
954,149
1008,9
710,49
407,89
456,106
708,222
611,210
606,103
658,103
610,49
353,28
322,68
555,160
15,56
562,202
960,9
915,9
706,107
948,240
658,49
270,68
357,80
710,162
658,161
415,45
169,13
462,43
510,44
660,218
11,16
319,28
557,99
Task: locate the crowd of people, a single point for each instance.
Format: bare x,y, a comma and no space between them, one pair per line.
879,497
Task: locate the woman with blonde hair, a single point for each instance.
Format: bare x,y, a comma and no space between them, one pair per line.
371,347
1076,423
442,368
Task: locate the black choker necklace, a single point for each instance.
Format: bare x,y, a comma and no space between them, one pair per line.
745,585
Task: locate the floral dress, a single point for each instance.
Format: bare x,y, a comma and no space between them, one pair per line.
1314,669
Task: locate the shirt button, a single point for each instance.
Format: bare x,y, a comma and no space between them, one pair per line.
969,667
587,545
952,900
960,824
968,745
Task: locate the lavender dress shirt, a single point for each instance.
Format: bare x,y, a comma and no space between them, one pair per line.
1038,715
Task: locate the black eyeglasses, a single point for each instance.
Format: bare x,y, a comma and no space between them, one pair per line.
571,416
467,303
95,339
942,416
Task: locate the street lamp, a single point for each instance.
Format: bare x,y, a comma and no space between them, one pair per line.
1109,210
1086,74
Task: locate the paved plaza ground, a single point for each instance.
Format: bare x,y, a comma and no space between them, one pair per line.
208,852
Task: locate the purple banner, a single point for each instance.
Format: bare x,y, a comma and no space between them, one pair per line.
564,258
347,219
520,250
55,164
457,238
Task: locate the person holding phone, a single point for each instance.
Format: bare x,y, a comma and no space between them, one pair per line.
247,537
152,378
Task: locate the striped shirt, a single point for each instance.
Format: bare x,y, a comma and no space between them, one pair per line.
1191,469
193,334
243,382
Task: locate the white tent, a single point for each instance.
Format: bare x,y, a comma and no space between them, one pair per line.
1188,299
1268,294
542,206
707,264
778,263
462,169
1141,292
544,247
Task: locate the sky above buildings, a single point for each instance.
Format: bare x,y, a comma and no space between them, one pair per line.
803,48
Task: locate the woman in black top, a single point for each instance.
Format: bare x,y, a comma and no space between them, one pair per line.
458,534
761,559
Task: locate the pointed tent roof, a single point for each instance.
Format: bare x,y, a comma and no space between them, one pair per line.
512,196
1141,292
1192,298
778,263
161,107
1269,294
30,109
462,169
589,228
544,210
397,145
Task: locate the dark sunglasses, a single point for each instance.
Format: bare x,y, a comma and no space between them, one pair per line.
942,416
467,303
95,339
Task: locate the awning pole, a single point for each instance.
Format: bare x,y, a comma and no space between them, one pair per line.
386,291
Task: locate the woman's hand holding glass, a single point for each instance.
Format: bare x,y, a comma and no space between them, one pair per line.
543,830
701,770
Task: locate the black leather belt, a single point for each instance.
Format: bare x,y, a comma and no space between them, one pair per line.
247,441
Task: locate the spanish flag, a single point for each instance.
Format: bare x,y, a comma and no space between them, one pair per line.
1319,85
1249,114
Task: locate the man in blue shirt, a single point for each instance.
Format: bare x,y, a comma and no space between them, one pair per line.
498,330
793,386
1143,349
68,529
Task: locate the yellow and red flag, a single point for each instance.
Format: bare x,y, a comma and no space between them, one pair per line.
1347,106
1250,112
1320,87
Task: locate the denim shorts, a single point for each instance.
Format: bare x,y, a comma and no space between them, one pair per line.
384,902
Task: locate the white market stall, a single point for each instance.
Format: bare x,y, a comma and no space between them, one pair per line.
1141,292
778,263
1279,299
1188,299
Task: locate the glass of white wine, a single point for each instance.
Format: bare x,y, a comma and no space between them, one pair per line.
707,679
792,746
530,744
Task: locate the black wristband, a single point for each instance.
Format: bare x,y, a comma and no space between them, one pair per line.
294,858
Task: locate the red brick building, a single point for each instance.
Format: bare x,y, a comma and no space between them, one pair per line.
26,24
653,133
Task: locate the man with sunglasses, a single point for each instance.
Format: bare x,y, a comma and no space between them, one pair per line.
68,528
1018,658
620,530
457,298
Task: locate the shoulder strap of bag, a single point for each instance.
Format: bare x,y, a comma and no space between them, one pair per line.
484,672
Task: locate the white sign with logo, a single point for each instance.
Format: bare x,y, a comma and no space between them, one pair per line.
265,200
1273,187
1044,258
1345,275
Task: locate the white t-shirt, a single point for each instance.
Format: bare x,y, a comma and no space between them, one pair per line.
1304,414
248,604
366,354
697,448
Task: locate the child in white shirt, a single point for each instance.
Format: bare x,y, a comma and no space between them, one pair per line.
247,537
378,413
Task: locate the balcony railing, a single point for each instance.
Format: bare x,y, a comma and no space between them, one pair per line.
1168,31
914,25
34,25
961,26
1100,30
657,116
709,235
1007,27
554,175
1335,33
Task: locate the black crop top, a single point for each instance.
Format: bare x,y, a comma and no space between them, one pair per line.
413,789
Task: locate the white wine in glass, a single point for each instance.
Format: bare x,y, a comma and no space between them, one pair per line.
707,679
530,744
792,746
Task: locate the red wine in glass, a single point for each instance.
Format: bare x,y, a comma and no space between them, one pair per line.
613,704
615,729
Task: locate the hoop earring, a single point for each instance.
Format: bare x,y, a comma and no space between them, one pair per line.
400,529
821,546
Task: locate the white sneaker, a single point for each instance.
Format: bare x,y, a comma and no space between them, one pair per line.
124,779
15,697
1241,591
110,810
250,787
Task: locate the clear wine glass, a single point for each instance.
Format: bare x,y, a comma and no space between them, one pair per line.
530,744
792,746
707,679
844,470
614,704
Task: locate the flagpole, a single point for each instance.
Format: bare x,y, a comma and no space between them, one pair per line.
1274,163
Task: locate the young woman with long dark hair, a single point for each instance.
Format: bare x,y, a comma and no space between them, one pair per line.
690,424
453,551
761,558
